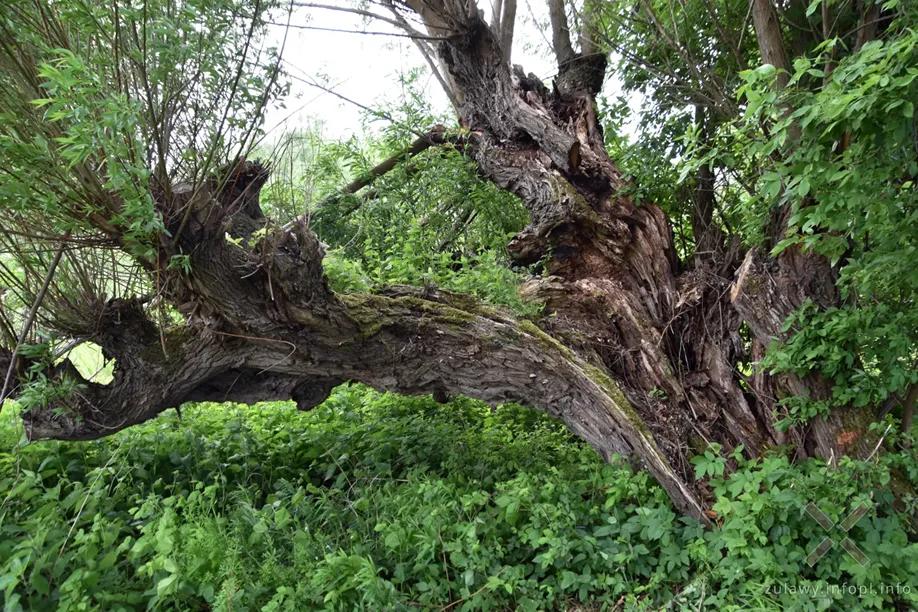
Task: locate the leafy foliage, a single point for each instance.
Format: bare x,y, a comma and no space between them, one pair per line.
90,92
380,502
377,502
828,149
103,107
856,204
429,220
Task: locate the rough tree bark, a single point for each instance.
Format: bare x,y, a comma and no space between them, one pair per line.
770,38
640,358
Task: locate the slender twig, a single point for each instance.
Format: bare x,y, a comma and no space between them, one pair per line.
31,317
232,94
368,32
80,511
364,13
883,437
459,601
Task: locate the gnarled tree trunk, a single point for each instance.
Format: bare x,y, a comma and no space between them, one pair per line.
640,359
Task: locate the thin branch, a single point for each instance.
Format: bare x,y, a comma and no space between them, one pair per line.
535,22
690,61
459,601
27,325
367,32
428,54
353,11
723,34
739,45
312,83
250,36
588,44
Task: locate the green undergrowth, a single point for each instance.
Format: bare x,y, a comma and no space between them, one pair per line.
380,502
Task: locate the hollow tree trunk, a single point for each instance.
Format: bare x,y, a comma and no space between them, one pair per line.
668,337
639,357
669,340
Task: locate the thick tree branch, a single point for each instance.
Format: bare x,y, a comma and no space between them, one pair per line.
435,136
262,324
560,32
707,234
765,293
419,145
771,41
507,24
588,44
497,11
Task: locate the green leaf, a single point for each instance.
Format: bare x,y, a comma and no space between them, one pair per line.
163,586
803,187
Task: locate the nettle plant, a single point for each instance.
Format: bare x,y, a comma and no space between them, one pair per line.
767,531
375,501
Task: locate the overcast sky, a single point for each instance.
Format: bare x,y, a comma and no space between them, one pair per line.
365,67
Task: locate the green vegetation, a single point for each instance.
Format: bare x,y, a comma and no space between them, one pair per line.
117,121
430,221
379,502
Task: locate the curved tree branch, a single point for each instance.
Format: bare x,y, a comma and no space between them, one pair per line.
246,342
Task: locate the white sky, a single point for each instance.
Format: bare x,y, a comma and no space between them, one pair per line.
365,67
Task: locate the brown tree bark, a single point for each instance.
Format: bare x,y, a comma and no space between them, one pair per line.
706,232
768,290
770,38
262,324
639,357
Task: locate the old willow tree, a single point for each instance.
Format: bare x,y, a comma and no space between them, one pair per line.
131,219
